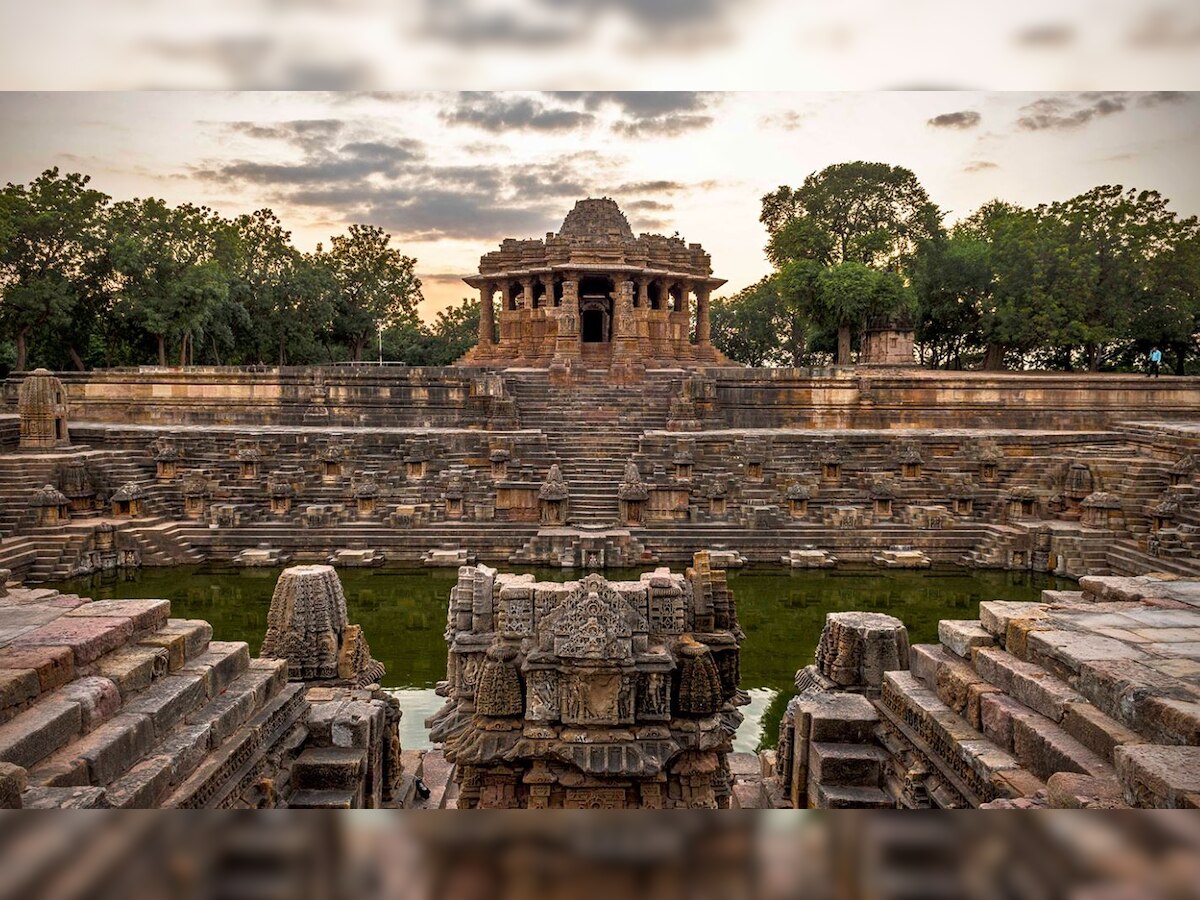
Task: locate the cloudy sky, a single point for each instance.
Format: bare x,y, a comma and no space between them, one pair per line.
450,174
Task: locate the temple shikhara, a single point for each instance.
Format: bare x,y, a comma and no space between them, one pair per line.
594,293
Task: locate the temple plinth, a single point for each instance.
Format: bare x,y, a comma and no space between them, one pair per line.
595,294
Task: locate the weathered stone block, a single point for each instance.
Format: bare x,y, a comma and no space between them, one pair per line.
859,765
182,639
89,637
98,699
994,615
219,665
1096,731
1025,682
843,718
1044,749
330,768
146,615
1065,652
1170,721
1158,777
960,636
1119,688
133,668
17,686
115,746
40,730
55,666
168,700
13,780
1071,790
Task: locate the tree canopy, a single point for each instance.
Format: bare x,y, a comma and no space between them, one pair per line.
1095,281
85,281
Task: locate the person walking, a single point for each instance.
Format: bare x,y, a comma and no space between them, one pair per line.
1155,363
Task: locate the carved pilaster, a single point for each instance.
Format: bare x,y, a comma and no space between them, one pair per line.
624,329
703,327
567,344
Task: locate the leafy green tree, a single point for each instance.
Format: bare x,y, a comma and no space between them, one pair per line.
173,269
758,327
952,281
377,286
1114,239
872,213
51,253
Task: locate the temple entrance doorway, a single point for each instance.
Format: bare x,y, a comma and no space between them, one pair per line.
592,327
595,310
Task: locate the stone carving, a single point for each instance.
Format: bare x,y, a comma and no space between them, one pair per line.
558,694
307,626
632,495
51,505
554,498
75,481
42,412
797,496
857,648
1101,510
1184,469
128,500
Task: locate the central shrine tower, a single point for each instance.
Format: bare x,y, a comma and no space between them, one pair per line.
597,295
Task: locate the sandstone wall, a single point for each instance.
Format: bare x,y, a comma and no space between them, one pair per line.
745,398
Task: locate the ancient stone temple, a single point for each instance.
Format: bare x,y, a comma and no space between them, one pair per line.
594,293
591,693
42,408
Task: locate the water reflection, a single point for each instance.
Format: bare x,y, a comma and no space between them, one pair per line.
403,613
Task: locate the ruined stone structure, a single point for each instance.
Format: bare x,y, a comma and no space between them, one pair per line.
115,704
592,693
42,408
888,342
1088,699
594,294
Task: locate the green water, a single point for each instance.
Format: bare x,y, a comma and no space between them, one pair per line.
403,614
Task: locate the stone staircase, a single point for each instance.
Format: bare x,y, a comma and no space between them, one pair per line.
1057,700
593,427
113,703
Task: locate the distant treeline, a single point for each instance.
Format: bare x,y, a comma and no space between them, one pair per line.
1091,283
87,282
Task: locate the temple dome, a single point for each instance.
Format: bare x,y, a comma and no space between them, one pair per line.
596,218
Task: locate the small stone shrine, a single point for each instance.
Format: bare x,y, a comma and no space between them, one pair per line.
42,410
591,693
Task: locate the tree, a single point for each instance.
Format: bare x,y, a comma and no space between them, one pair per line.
376,285
50,256
872,213
1116,240
952,281
173,269
757,326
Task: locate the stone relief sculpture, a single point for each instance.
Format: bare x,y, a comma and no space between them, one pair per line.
593,692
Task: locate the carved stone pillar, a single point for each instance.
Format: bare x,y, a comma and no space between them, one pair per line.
487,316
703,328
567,344
643,292
527,288
624,328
